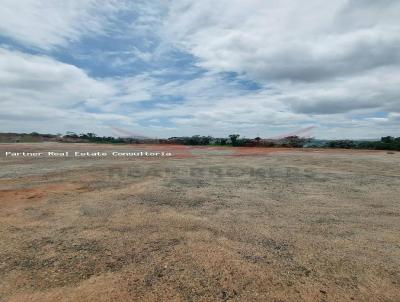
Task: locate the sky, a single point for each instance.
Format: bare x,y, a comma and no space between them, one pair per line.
163,68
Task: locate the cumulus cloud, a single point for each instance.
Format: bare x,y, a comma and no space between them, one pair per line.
287,40
47,24
42,81
38,90
374,89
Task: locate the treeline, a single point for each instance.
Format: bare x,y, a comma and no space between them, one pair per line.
93,138
236,141
386,143
33,137
196,140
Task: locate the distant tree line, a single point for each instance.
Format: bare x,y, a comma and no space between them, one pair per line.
93,138
196,140
386,143
235,140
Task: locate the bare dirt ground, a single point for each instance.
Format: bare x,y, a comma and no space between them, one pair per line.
208,224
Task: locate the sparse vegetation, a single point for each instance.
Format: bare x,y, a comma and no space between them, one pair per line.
90,230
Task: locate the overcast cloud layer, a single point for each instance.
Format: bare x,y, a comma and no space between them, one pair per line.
164,68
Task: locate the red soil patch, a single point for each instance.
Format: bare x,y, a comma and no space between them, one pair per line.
36,193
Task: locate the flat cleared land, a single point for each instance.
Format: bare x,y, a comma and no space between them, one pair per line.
208,224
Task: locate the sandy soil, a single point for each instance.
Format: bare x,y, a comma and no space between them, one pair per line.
207,224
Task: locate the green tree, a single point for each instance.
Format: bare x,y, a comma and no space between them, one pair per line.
234,139
387,139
